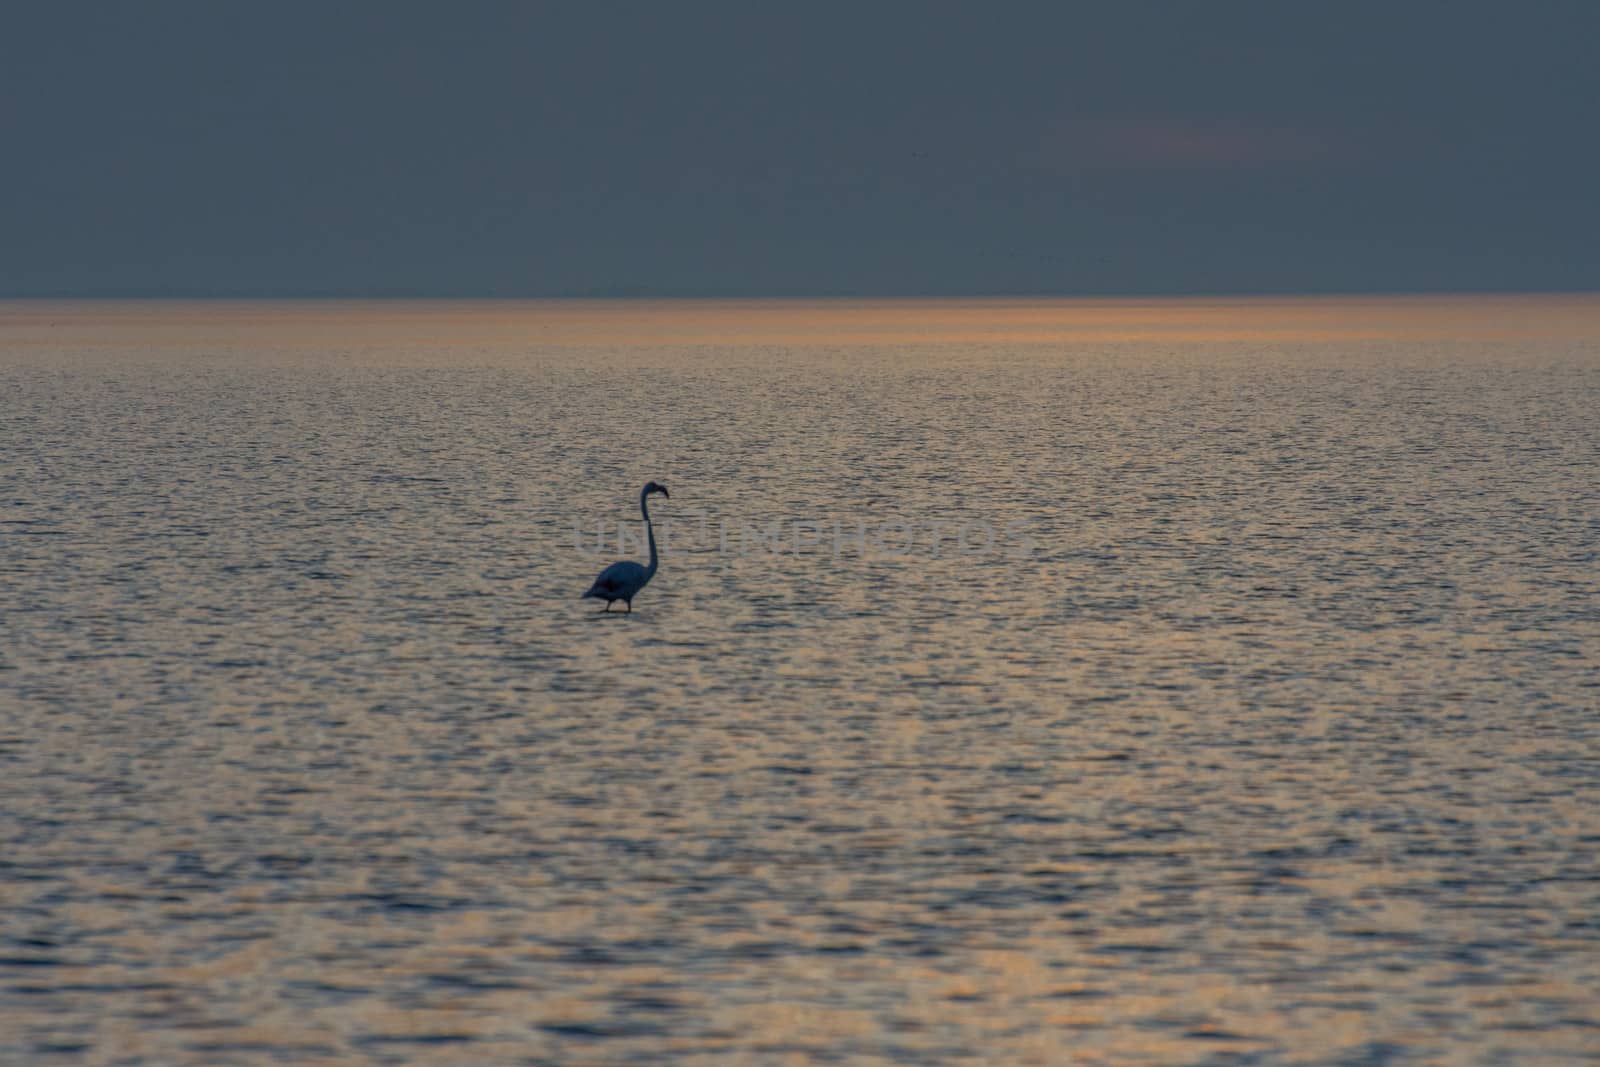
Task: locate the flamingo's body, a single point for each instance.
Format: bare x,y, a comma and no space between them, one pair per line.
624,578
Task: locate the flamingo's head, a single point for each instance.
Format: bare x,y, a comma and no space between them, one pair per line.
657,487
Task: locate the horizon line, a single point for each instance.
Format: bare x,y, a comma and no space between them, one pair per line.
622,296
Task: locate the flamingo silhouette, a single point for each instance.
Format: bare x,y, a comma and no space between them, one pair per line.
624,578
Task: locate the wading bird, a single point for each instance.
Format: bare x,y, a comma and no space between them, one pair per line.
624,578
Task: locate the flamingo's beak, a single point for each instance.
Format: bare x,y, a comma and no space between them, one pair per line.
664,491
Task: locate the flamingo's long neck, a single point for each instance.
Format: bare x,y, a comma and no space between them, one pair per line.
650,531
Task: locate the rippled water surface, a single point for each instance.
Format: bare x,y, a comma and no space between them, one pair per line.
1235,702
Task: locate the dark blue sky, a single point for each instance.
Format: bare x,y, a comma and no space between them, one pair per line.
526,149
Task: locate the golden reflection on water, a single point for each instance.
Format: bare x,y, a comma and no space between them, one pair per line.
1280,746
992,321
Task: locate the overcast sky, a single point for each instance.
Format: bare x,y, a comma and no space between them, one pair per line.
752,148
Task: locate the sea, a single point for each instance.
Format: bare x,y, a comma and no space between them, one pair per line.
1124,682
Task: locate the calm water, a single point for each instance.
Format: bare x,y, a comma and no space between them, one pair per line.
1264,731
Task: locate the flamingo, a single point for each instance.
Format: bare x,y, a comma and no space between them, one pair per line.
624,578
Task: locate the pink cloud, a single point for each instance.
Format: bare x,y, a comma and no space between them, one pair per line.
1183,144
